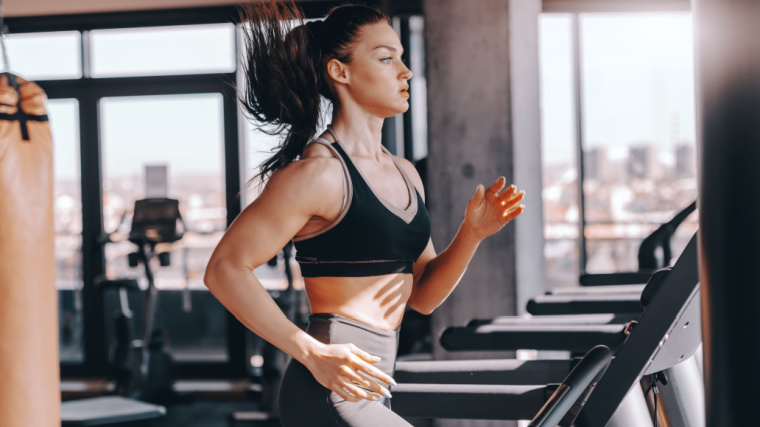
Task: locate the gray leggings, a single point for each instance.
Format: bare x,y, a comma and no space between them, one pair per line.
304,402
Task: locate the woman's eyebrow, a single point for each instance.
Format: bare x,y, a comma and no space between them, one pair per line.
388,47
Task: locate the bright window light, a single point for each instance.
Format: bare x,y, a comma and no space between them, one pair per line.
189,49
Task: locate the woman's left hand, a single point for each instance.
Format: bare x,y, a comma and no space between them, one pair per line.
491,209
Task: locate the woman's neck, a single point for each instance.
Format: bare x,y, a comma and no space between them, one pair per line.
360,136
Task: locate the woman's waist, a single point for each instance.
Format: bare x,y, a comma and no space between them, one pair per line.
377,301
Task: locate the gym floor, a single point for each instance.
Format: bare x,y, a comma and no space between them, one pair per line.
208,413
216,413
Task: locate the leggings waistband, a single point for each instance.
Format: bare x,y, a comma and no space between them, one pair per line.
330,328
339,318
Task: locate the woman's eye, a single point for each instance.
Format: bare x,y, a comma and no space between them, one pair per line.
387,60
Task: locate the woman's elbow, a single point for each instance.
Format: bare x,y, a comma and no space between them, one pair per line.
213,271
417,306
427,311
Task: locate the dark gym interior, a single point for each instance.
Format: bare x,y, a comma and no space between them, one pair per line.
622,296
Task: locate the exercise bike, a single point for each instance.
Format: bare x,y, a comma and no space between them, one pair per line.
142,365
141,368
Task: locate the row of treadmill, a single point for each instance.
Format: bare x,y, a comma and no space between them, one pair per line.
651,331
634,346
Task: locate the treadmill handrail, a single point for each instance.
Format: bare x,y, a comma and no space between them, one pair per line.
577,386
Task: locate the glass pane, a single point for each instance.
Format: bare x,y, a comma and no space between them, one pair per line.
639,145
258,146
45,56
558,143
154,51
183,136
64,126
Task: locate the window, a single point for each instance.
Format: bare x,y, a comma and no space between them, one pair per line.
182,135
190,49
639,132
176,123
67,205
559,153
158,99
637,135
45,56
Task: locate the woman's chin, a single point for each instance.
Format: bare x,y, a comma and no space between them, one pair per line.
403,108
393,109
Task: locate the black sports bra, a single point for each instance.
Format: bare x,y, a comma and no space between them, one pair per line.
370,237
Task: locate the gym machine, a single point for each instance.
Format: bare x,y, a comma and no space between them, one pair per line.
614,292
141,368
664,338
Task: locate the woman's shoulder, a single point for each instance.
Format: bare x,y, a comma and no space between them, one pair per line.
317,169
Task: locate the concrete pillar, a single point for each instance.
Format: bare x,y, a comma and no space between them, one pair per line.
728,141
483,121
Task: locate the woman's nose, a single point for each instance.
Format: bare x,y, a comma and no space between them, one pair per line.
407,73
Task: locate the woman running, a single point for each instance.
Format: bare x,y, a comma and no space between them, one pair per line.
355,212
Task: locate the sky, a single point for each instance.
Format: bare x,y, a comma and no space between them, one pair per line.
637,86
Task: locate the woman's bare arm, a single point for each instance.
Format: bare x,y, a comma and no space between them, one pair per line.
292,196
437,275
259,232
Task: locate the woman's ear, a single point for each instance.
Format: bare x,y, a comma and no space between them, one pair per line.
337,71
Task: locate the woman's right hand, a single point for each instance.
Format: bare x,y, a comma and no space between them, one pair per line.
342,368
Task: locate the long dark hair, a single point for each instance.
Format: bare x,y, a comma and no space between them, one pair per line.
285,69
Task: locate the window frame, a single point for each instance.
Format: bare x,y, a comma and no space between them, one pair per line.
88,92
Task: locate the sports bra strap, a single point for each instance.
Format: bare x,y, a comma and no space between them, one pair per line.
348,192
335,137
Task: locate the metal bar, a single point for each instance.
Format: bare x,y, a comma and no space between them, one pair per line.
93,256
137,86
407,116
577,77
388,138
84,51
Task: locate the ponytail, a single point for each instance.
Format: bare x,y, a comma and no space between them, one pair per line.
284,68
280,68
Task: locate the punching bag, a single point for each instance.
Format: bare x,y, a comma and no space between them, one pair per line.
29,372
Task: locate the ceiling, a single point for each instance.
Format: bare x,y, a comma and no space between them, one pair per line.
15,8
27,8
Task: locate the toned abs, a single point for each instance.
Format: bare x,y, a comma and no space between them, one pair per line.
376,300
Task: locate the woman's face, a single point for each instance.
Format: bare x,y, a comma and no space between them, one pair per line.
376,76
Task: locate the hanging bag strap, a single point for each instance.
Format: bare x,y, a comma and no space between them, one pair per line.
20,115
